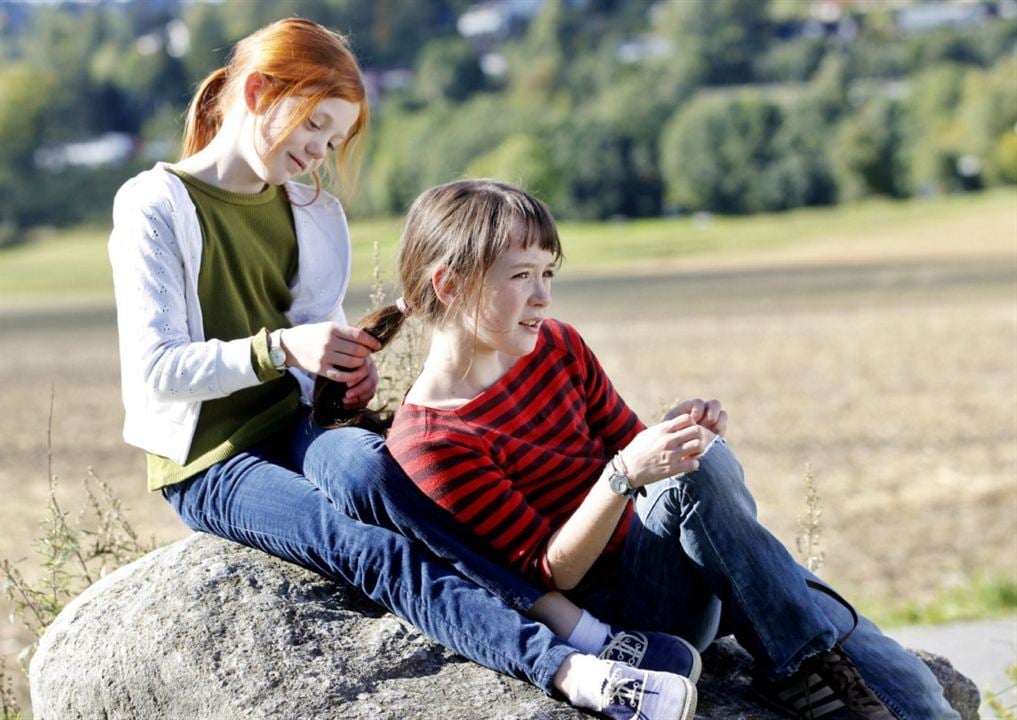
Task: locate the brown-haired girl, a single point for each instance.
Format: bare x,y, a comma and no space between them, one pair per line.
516,431
229,279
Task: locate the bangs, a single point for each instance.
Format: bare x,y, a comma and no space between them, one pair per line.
527,222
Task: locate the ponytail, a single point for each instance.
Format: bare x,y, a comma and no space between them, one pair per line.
328,410
204,114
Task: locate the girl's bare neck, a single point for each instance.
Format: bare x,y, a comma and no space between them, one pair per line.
454,374
222,164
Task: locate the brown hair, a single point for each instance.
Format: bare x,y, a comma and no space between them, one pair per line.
462,226
298,58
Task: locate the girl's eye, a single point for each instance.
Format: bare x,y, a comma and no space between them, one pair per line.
313,125
523,275
549,274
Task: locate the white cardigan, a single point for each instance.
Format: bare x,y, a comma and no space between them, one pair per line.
167,366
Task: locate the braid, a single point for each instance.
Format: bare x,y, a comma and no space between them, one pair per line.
328,410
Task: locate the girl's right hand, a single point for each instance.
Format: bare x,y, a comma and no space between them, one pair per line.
666,449
322,348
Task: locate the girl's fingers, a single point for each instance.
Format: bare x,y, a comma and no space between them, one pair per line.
345,361
678,423
686,465
347,347
352,336
349,377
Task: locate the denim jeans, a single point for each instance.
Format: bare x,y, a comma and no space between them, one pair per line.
696,551
313,499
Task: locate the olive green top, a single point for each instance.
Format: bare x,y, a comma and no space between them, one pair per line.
249,258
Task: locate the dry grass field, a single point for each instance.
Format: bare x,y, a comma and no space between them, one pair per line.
888,366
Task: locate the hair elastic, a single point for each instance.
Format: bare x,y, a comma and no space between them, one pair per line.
403,307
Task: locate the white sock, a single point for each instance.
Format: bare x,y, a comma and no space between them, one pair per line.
585,684
589,635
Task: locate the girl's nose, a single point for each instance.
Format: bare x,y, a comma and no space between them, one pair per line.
316,149
541,293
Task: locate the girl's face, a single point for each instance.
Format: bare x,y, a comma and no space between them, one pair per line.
303,150
514,301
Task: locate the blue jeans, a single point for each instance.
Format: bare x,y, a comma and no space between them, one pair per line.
696,551
312,498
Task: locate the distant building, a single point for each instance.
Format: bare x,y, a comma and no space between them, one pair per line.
105,149
497,19
934,15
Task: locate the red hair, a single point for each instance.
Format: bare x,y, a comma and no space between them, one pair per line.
297,58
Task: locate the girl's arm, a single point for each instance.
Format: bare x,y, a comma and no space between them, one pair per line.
153,318
646,455
666,449
149,280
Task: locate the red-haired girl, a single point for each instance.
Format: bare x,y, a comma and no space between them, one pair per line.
229,280
516,431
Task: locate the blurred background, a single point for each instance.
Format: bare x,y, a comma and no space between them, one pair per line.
605,108
806,208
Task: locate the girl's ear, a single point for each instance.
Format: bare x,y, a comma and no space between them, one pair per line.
444,287
253,85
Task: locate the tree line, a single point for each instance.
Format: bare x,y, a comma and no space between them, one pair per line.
726,106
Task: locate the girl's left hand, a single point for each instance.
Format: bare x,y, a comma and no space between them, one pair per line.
361,386
707,414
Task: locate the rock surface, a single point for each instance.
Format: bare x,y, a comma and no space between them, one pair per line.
205,629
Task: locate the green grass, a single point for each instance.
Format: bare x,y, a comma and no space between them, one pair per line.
985,596
57,265
72,264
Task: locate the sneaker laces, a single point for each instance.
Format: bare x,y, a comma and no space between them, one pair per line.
622,690
626,647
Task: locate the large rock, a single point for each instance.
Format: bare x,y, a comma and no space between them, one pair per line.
207,629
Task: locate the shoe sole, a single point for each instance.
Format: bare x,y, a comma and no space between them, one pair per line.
697,662
693,699
786,712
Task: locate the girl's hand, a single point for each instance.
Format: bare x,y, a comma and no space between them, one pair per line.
323,348
709,414
665,449
359,393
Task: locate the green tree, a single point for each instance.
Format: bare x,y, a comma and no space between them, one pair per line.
25,94
597,166
868,152
524,161
448,70
716,150
717,42
987,119
538,63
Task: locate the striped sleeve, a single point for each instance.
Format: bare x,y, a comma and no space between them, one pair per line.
453,466
607,414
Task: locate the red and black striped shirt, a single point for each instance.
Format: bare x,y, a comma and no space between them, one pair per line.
515,462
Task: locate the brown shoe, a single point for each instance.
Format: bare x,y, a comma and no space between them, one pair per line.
825,687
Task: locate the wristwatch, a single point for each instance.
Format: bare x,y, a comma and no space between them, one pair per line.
618,481
276,354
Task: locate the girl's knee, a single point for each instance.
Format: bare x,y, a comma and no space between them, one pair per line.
720,479
350,461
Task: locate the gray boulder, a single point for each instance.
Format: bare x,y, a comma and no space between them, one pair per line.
205,629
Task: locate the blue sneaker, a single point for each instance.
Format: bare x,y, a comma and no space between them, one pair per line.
633,694
653,651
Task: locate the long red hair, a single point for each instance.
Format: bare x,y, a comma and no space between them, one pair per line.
298,58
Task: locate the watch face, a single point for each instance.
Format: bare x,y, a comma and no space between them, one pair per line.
619,483
278,357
